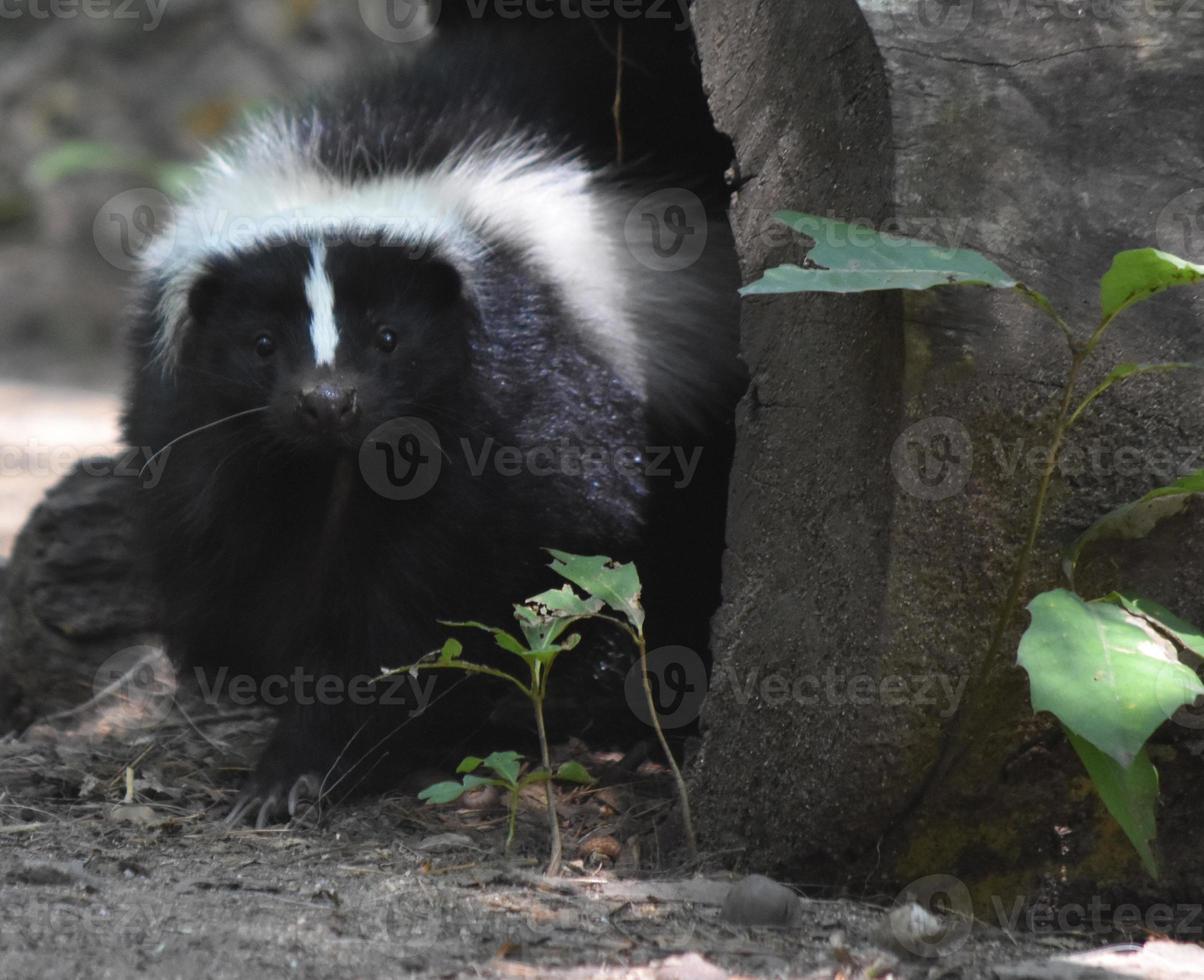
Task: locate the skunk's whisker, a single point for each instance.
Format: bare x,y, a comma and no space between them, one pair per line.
200,428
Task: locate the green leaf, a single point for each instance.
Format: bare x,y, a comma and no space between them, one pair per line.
450,792
505,764
1187,635
508,642
442,793
542,633
853,259
615,584
1107,675
1122,371
545,655
574,772
536,776
1140,273
1137,519
470,763
541,630
451,651
1130,794
563,603
505,640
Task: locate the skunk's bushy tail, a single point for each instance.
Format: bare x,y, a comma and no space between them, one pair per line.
657,160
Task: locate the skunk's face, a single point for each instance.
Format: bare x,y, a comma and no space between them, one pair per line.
334,341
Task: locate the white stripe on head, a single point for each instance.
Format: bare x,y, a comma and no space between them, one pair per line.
319,293
514,189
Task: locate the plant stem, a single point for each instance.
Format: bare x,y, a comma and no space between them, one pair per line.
1044,305
513,816
1065,420
1024,559
549,790
1111,380
682,793
467,666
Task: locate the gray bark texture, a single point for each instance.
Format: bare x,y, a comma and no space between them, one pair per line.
71,599
888,452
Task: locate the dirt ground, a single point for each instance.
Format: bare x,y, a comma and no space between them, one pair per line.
114,862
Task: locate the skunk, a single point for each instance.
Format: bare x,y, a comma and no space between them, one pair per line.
404,335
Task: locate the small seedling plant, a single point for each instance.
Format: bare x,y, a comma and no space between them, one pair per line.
1112,669
609,592
508,776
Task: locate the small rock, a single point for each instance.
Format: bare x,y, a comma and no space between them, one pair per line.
606,847
761,901
481,798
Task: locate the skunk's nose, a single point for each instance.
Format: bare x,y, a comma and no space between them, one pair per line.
327,407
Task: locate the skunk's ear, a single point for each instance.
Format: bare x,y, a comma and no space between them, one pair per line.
203,296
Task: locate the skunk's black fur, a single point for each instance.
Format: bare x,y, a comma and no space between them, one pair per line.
272,551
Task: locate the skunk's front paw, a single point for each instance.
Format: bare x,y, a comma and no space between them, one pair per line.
272,800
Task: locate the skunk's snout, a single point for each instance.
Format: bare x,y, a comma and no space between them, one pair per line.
327,407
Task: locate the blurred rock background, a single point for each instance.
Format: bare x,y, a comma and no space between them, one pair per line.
103,105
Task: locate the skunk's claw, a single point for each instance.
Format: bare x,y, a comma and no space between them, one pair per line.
242,806
307,790
274,802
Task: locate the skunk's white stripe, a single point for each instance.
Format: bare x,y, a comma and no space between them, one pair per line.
319,292
271,187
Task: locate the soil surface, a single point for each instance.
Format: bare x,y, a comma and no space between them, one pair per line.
115,862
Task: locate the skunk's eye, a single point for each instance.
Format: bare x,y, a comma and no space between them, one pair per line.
386,340
265,346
